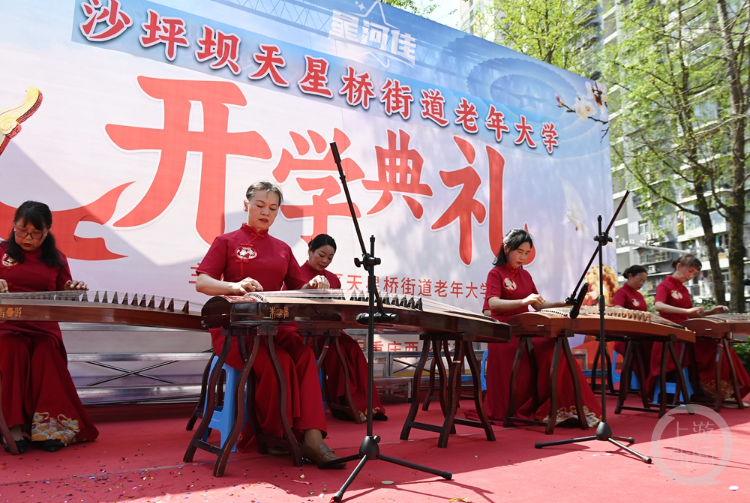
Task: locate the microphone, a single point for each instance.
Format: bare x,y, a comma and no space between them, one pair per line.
579,301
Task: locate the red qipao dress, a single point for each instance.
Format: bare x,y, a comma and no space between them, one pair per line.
355,361
36,386
507,283
246,253
630,298
673,293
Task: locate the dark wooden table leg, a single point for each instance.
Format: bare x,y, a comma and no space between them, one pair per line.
347,382
454,374
430,385
198,412
681,386
531,356
733,373
511,411
663,378
475,368
552,420
719,394
416,383
625,374
573,369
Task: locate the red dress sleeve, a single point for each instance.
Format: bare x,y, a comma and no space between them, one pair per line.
662,294
215,261
494,287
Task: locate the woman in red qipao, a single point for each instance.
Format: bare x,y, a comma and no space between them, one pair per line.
38,394
510,291
674,303
629,297
251,260
320,254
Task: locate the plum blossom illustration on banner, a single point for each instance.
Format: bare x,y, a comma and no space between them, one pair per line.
589,106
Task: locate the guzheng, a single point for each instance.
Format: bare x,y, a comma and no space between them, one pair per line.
340,308
721,326
618,323
99,307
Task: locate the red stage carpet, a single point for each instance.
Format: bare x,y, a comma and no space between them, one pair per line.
138,457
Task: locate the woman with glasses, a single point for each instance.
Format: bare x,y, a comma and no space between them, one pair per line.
39,399
251,260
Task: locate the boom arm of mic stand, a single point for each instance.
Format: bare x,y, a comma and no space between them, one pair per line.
577,296
367,259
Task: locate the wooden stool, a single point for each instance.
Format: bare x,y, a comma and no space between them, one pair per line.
463,351
266,333
561,345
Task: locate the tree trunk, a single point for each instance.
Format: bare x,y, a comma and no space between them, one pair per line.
736,212
709,239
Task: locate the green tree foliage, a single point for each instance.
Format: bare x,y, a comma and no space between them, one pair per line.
559,32
420,9
678,77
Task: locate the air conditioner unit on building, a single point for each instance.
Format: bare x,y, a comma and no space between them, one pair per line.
652,269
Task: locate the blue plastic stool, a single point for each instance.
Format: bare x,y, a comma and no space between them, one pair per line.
223,415
671,387
616,376
483,368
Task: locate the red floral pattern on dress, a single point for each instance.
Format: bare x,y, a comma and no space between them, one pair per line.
509,284
245,253
8,261
676,295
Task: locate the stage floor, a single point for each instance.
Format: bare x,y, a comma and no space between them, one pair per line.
138,457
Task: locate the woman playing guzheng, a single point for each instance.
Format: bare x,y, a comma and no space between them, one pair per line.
510,291
674,303
321,250
251,260
630,297
39,399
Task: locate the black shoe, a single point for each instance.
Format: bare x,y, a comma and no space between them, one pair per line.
51,445
341,415
21,445
379,416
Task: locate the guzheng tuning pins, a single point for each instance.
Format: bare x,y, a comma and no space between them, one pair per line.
125,298
96,296
186,307
418,305
135,300
152,302
170,307
161,304
114,298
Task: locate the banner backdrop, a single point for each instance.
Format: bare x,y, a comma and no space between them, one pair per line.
158,115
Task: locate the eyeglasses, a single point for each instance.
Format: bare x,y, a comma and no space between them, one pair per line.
35,235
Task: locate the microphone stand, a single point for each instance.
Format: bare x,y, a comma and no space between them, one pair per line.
603,431
369,449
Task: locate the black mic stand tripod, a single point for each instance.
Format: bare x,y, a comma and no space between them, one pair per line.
603,431
369,449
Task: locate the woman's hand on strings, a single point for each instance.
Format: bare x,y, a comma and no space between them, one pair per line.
247,285
75,285
319,283
3,286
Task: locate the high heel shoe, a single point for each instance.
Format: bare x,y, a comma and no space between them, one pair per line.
21,445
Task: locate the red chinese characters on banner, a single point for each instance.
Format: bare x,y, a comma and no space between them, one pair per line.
169,31
496,164
433,107
549,135
407,286
113,16
399,170
316,77
270,60
524,133
425,288
358,89
397,98
390,285
321,208
66,223
495,122
471,290
223,47
466,116
175,140
464,206
289,162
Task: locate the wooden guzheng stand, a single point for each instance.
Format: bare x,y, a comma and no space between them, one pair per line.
81,306
723,329
256,316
